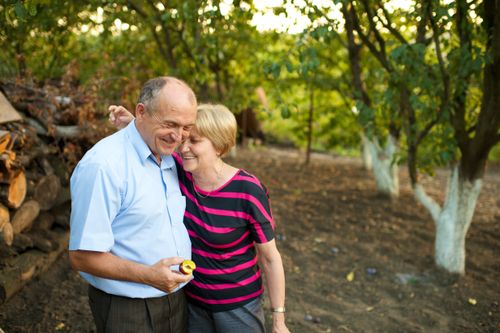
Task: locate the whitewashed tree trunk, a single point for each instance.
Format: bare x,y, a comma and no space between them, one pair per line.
384,168
453,220
365,152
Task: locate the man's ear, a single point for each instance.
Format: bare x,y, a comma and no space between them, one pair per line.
140,110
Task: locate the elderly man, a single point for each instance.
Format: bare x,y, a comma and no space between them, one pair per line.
127,232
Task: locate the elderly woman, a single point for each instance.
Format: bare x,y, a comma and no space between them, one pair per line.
229,221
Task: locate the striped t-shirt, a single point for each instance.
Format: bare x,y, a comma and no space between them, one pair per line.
223,225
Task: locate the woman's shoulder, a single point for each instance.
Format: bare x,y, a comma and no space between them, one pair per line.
248,182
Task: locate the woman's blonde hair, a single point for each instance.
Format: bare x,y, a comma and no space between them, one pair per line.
217,124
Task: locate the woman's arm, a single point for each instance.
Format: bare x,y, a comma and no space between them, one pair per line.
119,116
271,264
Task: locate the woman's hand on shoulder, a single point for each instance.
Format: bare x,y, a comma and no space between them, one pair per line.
119,116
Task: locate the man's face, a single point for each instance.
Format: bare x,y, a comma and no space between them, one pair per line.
164,128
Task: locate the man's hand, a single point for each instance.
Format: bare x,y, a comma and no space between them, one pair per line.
165,279
119,116
109,266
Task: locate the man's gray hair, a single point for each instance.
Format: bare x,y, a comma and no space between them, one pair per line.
152,88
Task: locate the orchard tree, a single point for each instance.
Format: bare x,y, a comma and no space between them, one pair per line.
309,86
437,89
204,42
377,121
35,35
470,73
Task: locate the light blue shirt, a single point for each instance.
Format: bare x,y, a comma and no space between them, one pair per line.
123,202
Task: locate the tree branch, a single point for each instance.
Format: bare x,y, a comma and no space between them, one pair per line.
380,56
429,203
388,24
373,28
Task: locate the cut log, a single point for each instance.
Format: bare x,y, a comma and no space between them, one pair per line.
25,215
13,194
63,197
22,243
47,191
26,266
4,140
7,111
41,242
44,221
66,132
62,215
41,149
45,164
7,234
4,216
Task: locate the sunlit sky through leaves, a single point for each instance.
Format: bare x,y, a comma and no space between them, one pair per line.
293,21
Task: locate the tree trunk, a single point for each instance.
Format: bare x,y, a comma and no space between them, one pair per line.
453,220
366,154
310,124
385,170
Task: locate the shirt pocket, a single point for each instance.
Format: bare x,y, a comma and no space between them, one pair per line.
176,204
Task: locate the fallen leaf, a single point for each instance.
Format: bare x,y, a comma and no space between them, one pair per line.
350,277
472,301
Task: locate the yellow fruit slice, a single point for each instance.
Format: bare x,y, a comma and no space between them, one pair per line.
187,267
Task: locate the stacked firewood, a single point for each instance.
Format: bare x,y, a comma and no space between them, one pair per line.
43,134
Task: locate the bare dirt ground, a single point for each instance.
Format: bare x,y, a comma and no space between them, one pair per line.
355,262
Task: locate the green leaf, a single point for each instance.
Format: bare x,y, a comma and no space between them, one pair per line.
285,112
20,11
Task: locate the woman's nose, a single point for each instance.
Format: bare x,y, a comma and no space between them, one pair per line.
184,146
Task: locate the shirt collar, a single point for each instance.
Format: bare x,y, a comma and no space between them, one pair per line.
142,148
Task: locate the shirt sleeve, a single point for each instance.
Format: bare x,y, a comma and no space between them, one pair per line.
95,202
262,223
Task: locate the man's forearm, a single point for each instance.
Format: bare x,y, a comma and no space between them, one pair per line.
109,266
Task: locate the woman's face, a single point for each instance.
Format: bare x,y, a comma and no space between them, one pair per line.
198,153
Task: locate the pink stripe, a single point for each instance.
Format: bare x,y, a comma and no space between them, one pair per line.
223,256
219,286
228,300
208,271
177,158
186,192
245,196
193,234
219,230
250,179
189,176
221,212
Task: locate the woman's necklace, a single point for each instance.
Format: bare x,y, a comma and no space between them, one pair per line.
214,185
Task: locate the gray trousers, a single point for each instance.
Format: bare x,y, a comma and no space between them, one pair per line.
117,314
245,319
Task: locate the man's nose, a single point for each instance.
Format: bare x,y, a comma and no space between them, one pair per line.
177,134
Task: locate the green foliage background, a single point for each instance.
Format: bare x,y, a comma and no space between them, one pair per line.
215,48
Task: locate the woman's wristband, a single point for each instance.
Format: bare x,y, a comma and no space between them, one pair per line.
278,310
